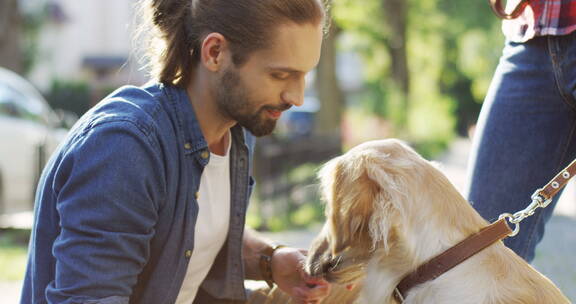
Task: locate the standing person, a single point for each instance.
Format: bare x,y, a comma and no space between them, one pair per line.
145,201
526,129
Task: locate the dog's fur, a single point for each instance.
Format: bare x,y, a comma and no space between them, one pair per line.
389,210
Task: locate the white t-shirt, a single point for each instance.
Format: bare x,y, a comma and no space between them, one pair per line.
212,224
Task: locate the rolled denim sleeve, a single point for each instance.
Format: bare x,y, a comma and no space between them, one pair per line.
109,184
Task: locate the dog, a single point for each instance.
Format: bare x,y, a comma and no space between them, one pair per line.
388,210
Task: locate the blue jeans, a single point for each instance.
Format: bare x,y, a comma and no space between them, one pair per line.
526,133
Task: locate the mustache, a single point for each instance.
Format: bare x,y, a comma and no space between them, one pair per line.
281,108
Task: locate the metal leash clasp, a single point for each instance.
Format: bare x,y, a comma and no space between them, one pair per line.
538,201
398,295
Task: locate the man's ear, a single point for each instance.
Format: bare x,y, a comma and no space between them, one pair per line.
215,52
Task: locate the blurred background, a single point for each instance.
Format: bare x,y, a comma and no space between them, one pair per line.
413,69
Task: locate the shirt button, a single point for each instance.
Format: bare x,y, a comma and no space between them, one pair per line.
188,254
187,146
197,195
204,154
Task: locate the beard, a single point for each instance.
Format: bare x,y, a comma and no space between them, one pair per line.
232,100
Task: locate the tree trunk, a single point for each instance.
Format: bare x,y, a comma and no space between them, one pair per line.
329,92
395,15
10,33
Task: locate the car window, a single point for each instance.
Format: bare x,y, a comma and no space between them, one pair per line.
15,104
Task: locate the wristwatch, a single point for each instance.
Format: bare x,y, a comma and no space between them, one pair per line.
266,263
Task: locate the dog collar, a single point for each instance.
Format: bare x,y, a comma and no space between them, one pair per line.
452,257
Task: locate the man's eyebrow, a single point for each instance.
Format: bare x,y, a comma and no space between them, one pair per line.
286,70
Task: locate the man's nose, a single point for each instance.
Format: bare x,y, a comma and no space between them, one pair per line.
294,94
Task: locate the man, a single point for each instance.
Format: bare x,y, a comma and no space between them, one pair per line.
145,201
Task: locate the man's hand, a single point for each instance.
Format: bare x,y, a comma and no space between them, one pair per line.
289,275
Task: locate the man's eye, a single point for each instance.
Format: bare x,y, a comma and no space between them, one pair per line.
280,76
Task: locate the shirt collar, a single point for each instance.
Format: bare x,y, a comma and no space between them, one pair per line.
186,119
188,122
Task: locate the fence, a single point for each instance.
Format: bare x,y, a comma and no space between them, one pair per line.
285,172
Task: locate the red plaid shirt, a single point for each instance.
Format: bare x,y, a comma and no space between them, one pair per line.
540,18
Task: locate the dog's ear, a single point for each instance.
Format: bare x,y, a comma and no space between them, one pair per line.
358,208
331,179
387,208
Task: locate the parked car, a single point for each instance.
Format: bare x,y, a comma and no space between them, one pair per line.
29,132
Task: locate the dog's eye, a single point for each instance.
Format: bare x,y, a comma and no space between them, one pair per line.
326,267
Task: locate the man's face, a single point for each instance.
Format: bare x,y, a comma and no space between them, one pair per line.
271,80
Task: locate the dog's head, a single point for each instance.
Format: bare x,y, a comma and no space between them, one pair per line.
366,192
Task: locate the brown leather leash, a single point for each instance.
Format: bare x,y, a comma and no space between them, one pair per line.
487,236
496,6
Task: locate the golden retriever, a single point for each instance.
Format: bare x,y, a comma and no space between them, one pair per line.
388,211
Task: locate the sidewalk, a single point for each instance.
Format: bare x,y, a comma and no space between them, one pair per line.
554,255
10,292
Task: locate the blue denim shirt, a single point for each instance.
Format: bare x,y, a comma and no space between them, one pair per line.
116,206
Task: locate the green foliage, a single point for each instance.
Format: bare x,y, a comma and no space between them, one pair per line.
301,208
286,214
452,49
12,263
278,223
304,215
307,215
303,172
73,96
253,219
13,254
31,25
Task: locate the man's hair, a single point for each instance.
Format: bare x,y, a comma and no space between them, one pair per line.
176,29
